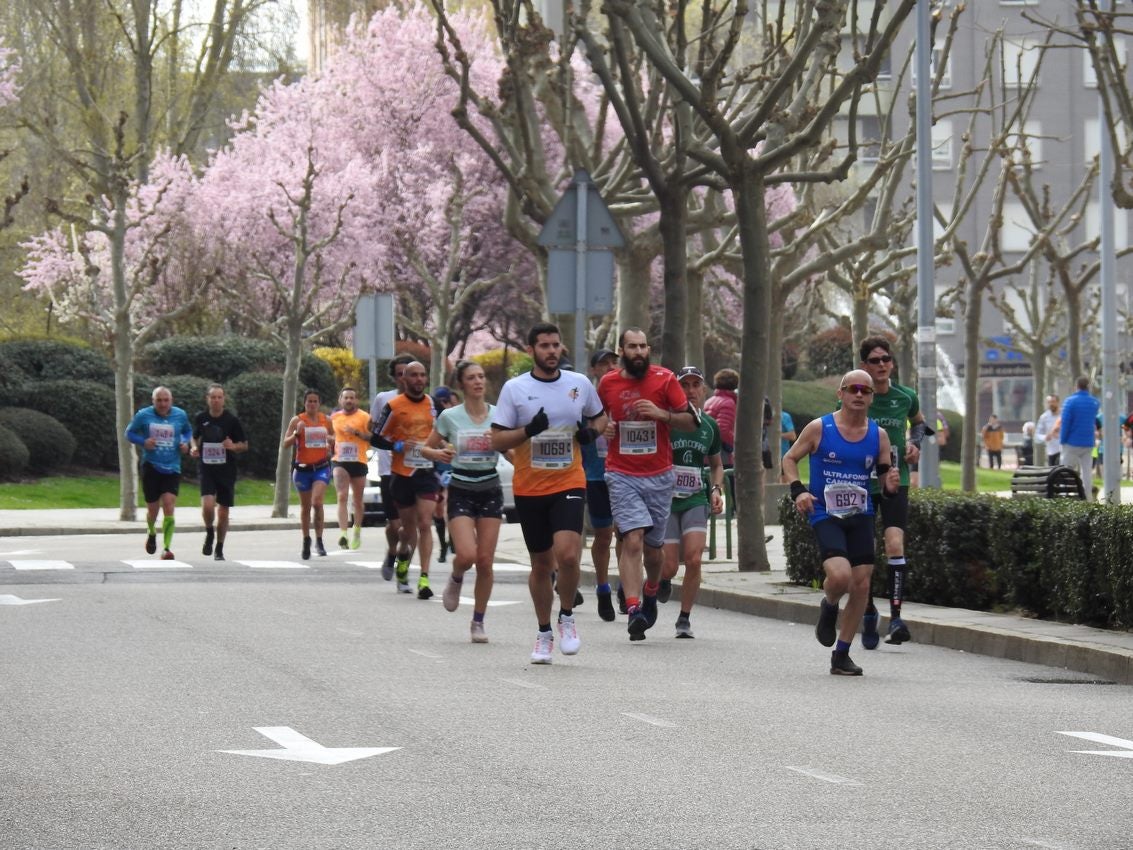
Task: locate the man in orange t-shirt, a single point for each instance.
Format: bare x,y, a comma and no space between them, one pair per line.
351,442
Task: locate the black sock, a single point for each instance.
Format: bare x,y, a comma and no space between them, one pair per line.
685,615
897,569
544,627
440,526
566,612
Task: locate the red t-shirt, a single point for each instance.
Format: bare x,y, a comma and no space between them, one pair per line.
640,446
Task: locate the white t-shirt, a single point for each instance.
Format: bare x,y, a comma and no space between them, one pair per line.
379,403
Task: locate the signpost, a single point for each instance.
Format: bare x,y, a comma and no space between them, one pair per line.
374,332
580,236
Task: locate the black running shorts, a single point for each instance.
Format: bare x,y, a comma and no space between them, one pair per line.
541,517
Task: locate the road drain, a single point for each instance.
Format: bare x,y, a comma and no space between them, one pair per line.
1052,680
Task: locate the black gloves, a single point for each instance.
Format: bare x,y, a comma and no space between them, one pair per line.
585,434
537,425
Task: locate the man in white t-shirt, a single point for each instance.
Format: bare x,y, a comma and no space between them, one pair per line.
1047,431
393,523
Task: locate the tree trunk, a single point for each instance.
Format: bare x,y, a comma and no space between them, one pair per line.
633,290
673,224
1038,369
290,392
751,216
123,363
1074,335
775,381
694,322
859,319
971,446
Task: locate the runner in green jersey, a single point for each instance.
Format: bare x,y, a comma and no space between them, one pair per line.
692,500
895,408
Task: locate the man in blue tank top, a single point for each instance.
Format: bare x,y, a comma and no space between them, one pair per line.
845,448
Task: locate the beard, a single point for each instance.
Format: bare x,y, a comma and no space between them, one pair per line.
636,367
548,364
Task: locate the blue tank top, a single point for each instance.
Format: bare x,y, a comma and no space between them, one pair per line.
840,470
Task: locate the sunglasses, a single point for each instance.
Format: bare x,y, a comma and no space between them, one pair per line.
877,361
857,389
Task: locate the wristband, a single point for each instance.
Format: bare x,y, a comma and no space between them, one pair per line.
797,489
399,446
883,468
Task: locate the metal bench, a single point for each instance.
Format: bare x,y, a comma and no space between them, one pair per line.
1047,482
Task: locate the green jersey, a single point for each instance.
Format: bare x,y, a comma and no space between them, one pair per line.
691,450
893,412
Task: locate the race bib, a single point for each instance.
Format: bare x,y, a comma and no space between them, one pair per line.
413,459
689,481
844,500
315,438
348,452
637,438
163,435
213,453
552,450
474,447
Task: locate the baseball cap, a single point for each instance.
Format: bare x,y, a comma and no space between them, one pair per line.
689,372
442,393
600,355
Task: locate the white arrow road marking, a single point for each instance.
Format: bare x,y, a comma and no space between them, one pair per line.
158,565
298,747
492,603
42,565
652,721
825,777
6,599
1125,751
273,565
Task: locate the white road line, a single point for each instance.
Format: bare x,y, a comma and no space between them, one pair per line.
273,565
370,565
521,684
825,777
159,565
351,632
511,568
425,654
492,603
652,721
21,552
42,565
8,599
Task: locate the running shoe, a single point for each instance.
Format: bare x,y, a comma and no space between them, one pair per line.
841,665
403,571
343,543
387,567
451,596
403,587
870,637
476,630
684,628
825,629
356,540
543,653
578,599
423,589
441,557
666,591
210,535
649,609
320,549
569,641
306,548
638,623
621,600
219,556
606,606
167,555
151,544
898,632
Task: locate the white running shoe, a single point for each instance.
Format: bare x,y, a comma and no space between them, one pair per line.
569,642
403,587
451,596
477,632
544,650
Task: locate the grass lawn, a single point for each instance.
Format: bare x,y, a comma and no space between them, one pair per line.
101,491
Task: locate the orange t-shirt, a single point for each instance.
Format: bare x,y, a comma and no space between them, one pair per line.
350,448
311,445
410,422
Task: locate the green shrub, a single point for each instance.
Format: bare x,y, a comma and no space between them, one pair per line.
13,454
808,400
188,392
52,359
86,409
218,358
49,444
257,399
317,373
12,382
832,351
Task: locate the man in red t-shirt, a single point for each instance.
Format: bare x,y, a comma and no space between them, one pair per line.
642,403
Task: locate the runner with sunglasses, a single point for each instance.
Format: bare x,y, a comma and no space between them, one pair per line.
846,448
896,408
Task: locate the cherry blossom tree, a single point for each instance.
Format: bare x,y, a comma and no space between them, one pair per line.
9,94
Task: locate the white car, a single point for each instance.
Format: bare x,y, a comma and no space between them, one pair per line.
374,514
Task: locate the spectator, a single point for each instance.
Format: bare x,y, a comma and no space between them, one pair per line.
1027,448
722,408
1079,431
993,435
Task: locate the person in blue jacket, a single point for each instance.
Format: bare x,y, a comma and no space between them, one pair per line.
164,433
1078,432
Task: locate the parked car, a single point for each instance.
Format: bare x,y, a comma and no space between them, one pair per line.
374,514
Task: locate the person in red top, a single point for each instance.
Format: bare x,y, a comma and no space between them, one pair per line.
642,402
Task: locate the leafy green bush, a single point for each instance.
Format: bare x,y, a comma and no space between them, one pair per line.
257,399
86,409
316,372
497,372
13,454
49,444
832,351
808,400
53,359
219,358
188,392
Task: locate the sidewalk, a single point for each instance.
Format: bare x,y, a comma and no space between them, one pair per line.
1095,652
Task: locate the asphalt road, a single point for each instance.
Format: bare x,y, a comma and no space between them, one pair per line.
120,698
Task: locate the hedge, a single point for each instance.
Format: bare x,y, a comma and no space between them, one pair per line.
13,454
52,359
257,399
48,442
86,409
1049,558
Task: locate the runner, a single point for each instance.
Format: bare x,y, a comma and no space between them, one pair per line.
403,426
845,447
351,442
163,431
643,403
393,524
542,414
598,502
312,435
443,399
218,437
688,515
462,437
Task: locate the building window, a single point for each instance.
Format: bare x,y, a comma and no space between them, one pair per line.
1020,60
1089,73
942,145
1018,230
937,56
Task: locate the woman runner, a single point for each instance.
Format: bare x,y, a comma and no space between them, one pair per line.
311,434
